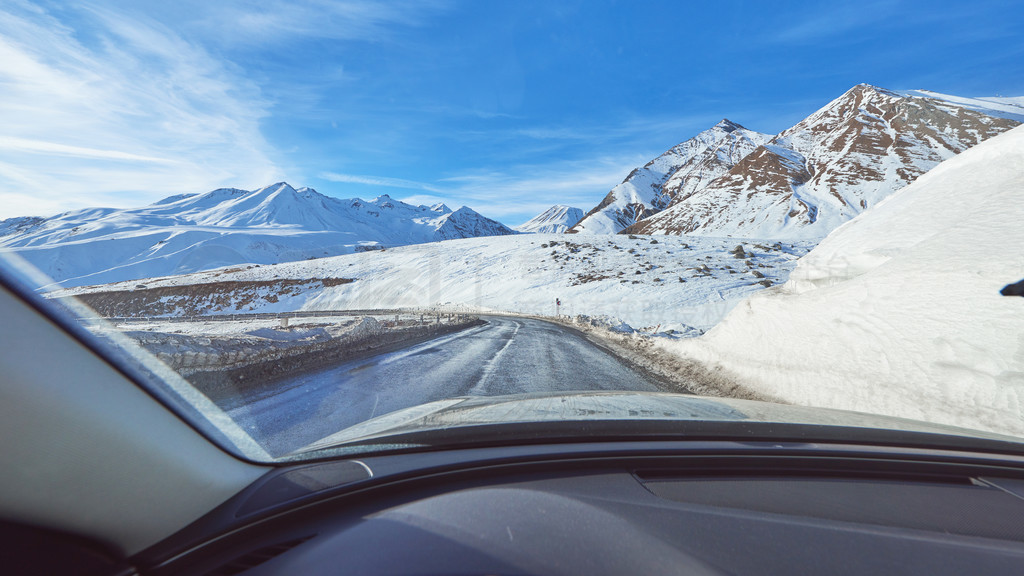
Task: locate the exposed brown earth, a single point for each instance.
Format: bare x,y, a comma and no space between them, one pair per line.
703,169
839,161
199,299
680,171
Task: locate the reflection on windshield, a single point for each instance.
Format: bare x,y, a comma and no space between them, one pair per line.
398,212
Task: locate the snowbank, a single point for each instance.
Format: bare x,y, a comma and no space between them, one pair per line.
898,312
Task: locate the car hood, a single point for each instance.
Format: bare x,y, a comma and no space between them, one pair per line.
630,414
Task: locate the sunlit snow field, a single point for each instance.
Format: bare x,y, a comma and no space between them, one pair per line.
645,281
899,311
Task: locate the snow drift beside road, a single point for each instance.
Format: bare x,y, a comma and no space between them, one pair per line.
898,312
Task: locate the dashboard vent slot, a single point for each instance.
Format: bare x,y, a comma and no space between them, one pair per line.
255,558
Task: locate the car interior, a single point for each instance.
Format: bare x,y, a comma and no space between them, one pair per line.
103,478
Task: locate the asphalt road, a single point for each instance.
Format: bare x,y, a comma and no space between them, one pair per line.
505,356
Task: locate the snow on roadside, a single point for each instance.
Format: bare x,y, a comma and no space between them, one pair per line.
221,346
898,312
644,281
193,350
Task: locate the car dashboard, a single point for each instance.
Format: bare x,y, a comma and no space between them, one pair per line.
656,507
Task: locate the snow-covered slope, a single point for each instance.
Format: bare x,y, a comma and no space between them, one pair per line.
998,106
834,164
899,312
679,171
192,232
554,220
674,282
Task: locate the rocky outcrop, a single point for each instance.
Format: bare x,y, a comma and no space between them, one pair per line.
829,167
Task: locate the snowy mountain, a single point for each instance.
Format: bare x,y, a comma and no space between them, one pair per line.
678,172
192,232
554,220
836,163
899,311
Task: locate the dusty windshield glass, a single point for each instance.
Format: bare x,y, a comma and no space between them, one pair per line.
319,222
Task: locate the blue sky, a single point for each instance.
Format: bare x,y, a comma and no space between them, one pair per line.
505,106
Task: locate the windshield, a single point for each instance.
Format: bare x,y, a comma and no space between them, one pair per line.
305,225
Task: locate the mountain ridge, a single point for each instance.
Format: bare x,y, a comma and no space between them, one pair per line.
812,177
903,300
227,226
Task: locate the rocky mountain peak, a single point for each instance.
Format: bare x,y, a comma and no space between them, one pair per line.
728,125
842,159
683,168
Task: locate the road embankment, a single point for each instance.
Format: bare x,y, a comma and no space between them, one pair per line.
676,373
198,299
225,367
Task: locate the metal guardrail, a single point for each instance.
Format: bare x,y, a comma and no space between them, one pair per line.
279,315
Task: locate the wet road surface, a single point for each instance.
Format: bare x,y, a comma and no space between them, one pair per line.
504,356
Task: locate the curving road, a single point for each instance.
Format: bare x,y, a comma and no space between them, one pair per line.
504,356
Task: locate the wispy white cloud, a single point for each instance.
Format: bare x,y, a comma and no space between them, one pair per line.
53,148
100,106
124,102
267,23
518,193
378,181
649,134
840,20
623,129
514,193
425,200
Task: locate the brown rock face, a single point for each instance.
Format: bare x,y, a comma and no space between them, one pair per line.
829,167
681,170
